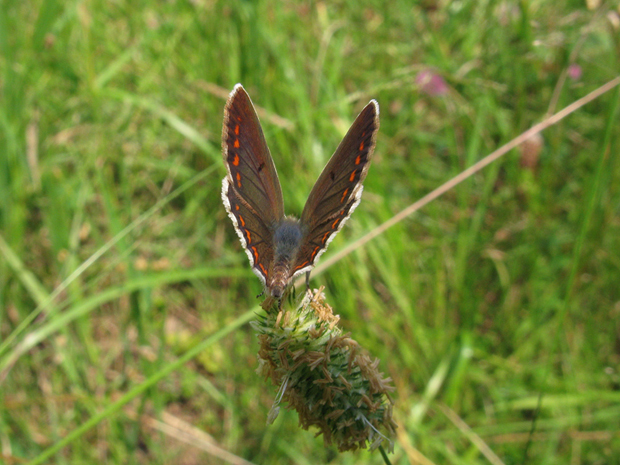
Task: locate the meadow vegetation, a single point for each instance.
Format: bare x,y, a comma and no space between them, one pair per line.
125,296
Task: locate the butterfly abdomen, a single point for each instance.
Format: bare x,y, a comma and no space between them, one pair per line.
287,239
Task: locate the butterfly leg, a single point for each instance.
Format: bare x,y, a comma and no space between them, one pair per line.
307,281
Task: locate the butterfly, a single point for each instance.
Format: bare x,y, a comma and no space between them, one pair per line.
281,247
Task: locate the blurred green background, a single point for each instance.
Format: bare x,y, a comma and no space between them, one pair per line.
495,309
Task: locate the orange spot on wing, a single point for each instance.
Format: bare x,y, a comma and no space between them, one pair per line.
361,147
344,194
263,269
316,249
236,145
237,128
242,220
239,179
235,161
255,253
249,236
335,223
359,158
352,177
301,266
325,236
237,207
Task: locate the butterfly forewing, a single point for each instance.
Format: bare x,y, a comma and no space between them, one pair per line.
250,167
339,187
251,190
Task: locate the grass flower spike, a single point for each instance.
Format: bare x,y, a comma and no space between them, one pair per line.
324,375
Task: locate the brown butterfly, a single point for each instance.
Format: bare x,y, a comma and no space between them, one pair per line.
281,247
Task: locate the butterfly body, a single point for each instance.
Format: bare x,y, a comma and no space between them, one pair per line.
287,238
280,247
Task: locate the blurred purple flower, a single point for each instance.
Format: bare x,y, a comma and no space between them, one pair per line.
431,83
574,71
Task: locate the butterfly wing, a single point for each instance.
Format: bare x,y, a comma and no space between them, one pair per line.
339,188
251,190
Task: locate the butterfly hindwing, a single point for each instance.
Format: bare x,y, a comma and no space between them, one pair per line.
256,237
339,188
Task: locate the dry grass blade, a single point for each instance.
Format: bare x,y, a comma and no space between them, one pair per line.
182,431
473,437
